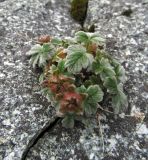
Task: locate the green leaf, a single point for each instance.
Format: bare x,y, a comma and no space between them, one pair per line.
81,89
107,72
84,37
40,54
41,78
115,63
95,95
100,64
111,84
68,121
103,68
42,59
97,67
105,63
90,107
53,69
46,47
120,73
34,50
76,48
34,60
61,66
119,102
95,79
47,93
77,58
95,38
56,41
81,37
119,70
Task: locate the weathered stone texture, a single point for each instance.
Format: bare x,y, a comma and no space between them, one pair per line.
23,111
124,24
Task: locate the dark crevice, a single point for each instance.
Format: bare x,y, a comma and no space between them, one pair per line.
127,12
48,127
79,11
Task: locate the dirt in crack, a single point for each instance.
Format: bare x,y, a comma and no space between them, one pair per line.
79,10
50,125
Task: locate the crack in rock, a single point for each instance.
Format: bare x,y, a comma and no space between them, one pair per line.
48,126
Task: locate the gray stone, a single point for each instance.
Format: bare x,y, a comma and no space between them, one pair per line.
2,30
125,138
23,110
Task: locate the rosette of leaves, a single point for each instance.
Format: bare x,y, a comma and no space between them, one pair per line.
76,73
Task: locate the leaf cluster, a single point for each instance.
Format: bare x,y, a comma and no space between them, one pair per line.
77,73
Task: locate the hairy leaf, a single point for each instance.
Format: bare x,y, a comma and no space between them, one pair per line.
81,37
39,54
103,68
95,95
81,89
41,78
34,50
34,60
100,64
56,41
119,70
97,67
61,66
46,47
120,73
42,59
107,72
77,59
48,94
86,38
76,48
119,102
111,84
95,38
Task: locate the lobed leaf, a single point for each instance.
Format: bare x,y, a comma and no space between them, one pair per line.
34,50
111,84
107,72
56,41
103,67
95,95
81,89
81,37
77,59
95,38
120,73
39,54
119,101
76,48
61,66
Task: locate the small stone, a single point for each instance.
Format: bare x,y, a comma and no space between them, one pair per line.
6,122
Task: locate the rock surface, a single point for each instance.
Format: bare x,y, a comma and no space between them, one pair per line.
125,27
23,111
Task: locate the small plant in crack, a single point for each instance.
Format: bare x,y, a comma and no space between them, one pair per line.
76,74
